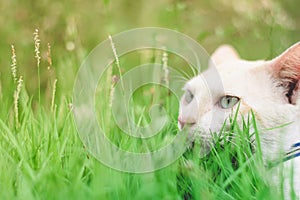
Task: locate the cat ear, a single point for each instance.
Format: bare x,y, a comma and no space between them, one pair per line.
224,53
286,69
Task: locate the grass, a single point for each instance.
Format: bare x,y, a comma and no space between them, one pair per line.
42,156
45,159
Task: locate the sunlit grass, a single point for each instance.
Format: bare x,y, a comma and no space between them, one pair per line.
43,157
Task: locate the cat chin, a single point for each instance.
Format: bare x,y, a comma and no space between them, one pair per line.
203,145
201,139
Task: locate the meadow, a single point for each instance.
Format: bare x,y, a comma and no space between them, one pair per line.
43,44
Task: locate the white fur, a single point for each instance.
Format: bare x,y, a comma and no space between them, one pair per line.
260,87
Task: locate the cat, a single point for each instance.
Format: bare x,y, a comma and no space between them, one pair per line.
268,89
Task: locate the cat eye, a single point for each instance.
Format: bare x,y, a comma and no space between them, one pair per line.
188,96
228,101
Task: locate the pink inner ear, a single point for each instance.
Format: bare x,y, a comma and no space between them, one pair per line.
287,65
286,69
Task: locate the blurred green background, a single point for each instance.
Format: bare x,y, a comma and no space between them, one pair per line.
257,29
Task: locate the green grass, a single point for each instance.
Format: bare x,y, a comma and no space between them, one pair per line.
43,157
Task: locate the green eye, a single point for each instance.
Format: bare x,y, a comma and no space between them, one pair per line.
228,101
188,96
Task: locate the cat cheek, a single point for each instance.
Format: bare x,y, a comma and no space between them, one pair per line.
244,108
211,122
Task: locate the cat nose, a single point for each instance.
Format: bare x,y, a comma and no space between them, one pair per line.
180,123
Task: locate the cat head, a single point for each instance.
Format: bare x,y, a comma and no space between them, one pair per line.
269,88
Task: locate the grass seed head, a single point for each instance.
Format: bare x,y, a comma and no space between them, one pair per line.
16,100
37,46
49,59
14,63
165,67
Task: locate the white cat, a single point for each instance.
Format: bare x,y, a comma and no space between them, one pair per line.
269,88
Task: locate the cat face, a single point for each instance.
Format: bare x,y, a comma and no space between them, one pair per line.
268,88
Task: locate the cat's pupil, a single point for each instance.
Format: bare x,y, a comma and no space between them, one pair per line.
228,100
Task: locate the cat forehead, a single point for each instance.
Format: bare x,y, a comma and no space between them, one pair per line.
240,66
194,83
241,72
228,74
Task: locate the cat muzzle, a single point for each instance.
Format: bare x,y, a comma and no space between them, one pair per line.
182,123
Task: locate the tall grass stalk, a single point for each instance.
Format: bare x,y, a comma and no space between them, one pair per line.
166,73
49,58
37,41
16,101
117,60
165,68
53,96
14,64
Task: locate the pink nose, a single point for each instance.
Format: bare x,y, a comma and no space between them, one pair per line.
183,122
180,123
